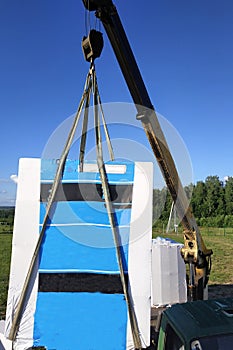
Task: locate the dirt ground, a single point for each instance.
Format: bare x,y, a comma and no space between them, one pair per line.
216,291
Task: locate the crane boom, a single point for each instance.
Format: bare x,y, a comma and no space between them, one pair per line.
194,251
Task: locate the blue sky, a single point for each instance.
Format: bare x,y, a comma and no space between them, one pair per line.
185,53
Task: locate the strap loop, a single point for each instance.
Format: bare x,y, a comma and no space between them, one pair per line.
90,85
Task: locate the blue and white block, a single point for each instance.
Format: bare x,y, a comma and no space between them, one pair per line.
76,299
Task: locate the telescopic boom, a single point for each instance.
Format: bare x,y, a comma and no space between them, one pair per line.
194,252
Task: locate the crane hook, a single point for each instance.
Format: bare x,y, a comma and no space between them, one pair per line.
92,45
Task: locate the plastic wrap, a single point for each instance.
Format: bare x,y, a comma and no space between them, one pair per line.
168,273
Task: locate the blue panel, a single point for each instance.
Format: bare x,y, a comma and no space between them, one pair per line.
59,252
84,212
71,172
79,239
84,321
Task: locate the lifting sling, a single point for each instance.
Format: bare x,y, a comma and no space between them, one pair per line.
90,87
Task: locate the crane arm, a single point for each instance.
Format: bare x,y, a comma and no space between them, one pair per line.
194,251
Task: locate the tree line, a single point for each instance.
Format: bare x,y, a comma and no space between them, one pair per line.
7,215
211,202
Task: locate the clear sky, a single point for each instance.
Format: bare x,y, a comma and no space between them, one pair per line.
185,53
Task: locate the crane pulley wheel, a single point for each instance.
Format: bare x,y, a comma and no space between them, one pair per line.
92,45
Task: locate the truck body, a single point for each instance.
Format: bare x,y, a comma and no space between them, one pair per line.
198,325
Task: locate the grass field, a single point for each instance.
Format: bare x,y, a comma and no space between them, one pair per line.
222,246
220,241
5,254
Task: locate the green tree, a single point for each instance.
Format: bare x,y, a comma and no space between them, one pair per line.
214,199
167,207
159,200
228,221
198,200
229,196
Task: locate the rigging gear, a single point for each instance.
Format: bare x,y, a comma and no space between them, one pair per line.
92,45
90,87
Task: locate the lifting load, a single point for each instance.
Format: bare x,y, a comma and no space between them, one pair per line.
76,297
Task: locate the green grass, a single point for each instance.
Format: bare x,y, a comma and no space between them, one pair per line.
222,263
222,246
5,255
5,228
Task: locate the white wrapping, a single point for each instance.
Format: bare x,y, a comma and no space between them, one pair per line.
140,251
5,344
24,240
26,229
168,273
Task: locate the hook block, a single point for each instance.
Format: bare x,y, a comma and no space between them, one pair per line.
92,45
